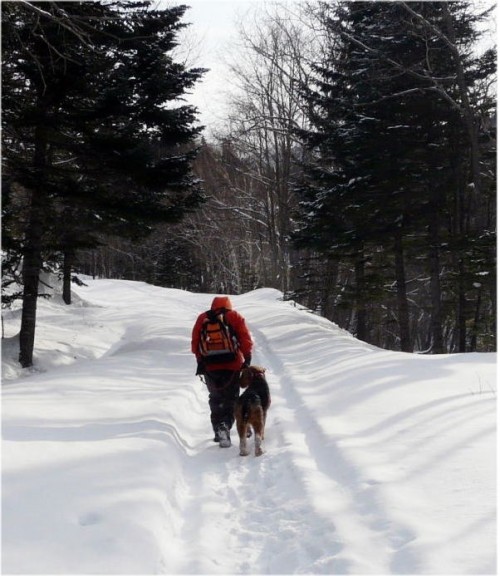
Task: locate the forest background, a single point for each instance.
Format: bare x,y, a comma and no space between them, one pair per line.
356,170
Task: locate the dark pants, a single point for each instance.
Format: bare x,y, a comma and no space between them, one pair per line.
224,389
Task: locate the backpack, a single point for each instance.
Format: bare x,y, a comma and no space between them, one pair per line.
217,340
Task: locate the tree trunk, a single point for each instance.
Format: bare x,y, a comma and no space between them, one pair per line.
437,345
32,253
328,286
459,228
69,257
32,264
361,326
461,309
493,297
475,328
403,314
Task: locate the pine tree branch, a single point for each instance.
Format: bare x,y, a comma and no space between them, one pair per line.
64,21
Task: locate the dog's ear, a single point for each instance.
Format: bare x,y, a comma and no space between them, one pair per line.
258,369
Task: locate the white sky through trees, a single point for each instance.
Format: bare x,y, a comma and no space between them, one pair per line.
214,34
211,41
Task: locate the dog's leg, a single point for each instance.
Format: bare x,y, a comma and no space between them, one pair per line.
243,446
258,445
241,427
242,433
263,424
258,428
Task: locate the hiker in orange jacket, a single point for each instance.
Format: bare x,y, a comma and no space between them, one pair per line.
222,378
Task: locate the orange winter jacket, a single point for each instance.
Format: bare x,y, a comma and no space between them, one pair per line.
237,323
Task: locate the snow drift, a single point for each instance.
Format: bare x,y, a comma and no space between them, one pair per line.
376,462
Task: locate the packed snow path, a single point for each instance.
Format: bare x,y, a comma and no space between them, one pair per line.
376,462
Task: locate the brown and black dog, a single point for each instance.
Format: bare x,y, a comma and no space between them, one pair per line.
251,407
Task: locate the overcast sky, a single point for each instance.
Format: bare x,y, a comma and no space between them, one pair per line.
212,38
214,33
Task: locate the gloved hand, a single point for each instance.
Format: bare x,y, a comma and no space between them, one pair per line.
247,362
200,368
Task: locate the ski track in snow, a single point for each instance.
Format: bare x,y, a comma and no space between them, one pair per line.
332,494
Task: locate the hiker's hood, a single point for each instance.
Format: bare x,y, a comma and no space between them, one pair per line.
222,302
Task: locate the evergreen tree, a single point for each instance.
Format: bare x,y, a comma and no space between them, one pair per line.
388,144
91,131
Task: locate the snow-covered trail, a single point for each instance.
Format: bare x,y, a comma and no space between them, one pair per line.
376,462
381,441
340,495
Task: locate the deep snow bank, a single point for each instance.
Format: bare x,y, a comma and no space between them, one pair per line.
376,462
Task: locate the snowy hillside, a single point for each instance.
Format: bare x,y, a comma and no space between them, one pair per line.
376,462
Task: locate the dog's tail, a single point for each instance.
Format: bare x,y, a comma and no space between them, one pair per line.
251,401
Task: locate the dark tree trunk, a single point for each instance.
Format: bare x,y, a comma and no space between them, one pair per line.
461,309
493,297
437,345
475,328
32,264
403,314
32,253
328,288
361,324
69,257
459,224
